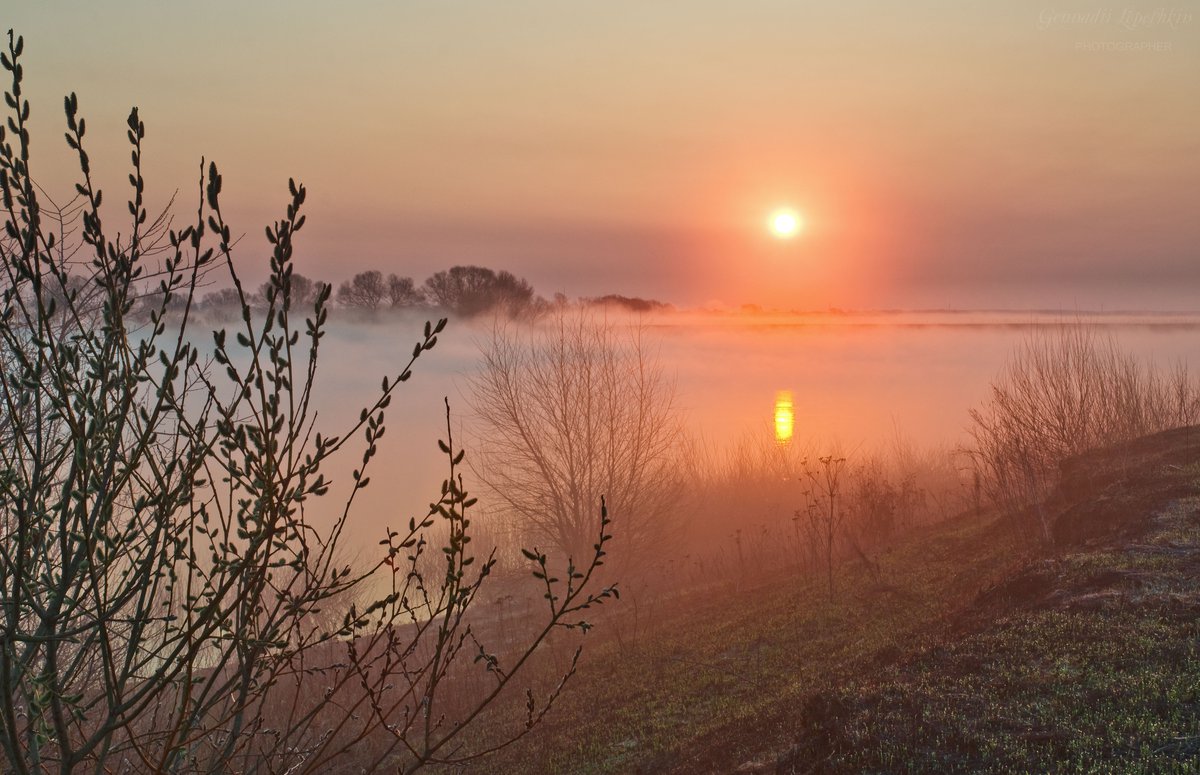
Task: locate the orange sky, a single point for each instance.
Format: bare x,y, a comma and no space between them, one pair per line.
943,153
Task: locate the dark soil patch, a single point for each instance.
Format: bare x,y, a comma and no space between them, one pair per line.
1111,494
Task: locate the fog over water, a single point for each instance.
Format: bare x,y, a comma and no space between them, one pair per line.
857,380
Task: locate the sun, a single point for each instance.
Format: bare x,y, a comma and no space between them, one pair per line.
785,223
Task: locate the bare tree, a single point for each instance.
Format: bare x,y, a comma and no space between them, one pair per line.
365,291
471,290
164,597
303,292
221,305
570,411
402,292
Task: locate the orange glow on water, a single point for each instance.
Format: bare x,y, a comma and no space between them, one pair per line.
785,417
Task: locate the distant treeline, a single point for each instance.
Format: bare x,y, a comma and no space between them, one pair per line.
461,291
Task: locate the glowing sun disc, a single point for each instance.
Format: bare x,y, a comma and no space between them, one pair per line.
785,223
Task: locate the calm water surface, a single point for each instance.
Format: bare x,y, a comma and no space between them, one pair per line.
854,379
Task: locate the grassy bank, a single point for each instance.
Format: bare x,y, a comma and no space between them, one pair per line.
1088,662
961,655
717,678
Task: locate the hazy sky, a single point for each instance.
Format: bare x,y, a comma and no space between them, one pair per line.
953,153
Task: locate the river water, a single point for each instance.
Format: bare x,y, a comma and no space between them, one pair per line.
855,379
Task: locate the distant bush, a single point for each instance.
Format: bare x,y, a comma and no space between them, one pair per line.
629,303
1064,392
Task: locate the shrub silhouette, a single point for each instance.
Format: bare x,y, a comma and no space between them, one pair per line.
166,602
570,410
1062,393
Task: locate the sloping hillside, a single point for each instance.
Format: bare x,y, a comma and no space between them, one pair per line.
1085,662
962,655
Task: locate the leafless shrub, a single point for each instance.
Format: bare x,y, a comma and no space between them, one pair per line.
755,508
1063,392
570,410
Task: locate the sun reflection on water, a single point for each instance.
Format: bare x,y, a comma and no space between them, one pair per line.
785,417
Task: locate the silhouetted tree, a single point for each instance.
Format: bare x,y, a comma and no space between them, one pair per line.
221,304
402,292
366,291
70,290
303,291
470,290
153,299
